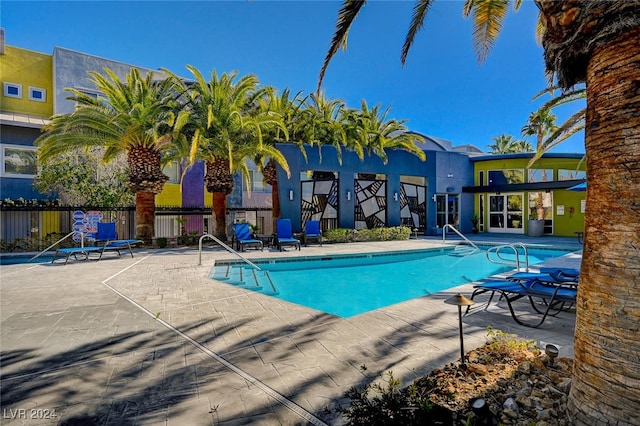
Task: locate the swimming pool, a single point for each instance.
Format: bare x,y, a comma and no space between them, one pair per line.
349,285
17,259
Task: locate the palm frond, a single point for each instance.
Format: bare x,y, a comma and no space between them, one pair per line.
420,10
488,18
347,14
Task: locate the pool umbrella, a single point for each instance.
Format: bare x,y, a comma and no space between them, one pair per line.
579,187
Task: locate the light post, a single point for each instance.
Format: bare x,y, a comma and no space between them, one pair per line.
460,300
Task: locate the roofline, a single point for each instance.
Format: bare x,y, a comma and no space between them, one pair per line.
573,155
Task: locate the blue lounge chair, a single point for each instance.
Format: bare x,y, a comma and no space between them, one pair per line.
67,252
244,237
312,231
547,275
556,296
284,235
107,239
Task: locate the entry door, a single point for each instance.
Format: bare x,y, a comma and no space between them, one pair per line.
447,210
505,213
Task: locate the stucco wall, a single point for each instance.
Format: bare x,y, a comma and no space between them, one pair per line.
27,68
70,70
445,172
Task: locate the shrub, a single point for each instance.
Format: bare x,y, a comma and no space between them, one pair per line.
343,235
161,242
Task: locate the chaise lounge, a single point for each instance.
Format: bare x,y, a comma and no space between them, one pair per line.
554,296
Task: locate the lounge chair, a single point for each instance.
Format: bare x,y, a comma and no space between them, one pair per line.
284,235
547,275
67,252
244,238
107,239
312,232
555,297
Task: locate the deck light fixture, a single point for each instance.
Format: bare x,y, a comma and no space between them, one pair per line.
460,300
395,196
291,195
552,352
348,195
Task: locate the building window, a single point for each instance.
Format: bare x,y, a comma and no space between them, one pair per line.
173,171
37,94
13,90
19,161
257,182
564,174
506,177
540,175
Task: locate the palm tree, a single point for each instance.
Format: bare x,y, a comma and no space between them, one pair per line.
372,131
507,144
596,42
227,126
540,124
323,125
570,127
140,117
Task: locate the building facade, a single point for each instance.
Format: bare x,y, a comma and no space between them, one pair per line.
448,188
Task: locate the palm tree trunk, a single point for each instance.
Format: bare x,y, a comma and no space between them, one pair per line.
606,384
219,211
275,200
145,215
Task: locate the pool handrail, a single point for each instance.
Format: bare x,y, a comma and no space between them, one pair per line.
444,233
226,247
507,262
58,242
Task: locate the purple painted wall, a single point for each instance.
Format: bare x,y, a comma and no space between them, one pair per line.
193,195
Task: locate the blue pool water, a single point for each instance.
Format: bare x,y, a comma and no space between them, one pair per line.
351,285
21,258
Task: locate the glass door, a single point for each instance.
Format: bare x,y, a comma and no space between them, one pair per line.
505,213
447,210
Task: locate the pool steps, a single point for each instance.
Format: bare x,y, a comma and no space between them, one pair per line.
245,277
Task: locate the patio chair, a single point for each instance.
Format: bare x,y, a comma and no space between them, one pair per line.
284,235
547,275
312,232
107,239
244,237
555,297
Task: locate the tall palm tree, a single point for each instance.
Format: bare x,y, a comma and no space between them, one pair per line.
227,126
596,42
540,124
139,116
570,127
372,131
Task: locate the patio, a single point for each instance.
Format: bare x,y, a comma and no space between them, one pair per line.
152,339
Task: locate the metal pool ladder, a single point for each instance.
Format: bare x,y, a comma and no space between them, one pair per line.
460,250
244,259
503,261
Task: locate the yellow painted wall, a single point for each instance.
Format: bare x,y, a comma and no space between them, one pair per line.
170,195
566,224
27,68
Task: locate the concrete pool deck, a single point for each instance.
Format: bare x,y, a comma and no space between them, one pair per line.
151,340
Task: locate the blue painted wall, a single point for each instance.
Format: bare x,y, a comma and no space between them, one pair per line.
446,172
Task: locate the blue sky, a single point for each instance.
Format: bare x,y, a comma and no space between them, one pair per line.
441,91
